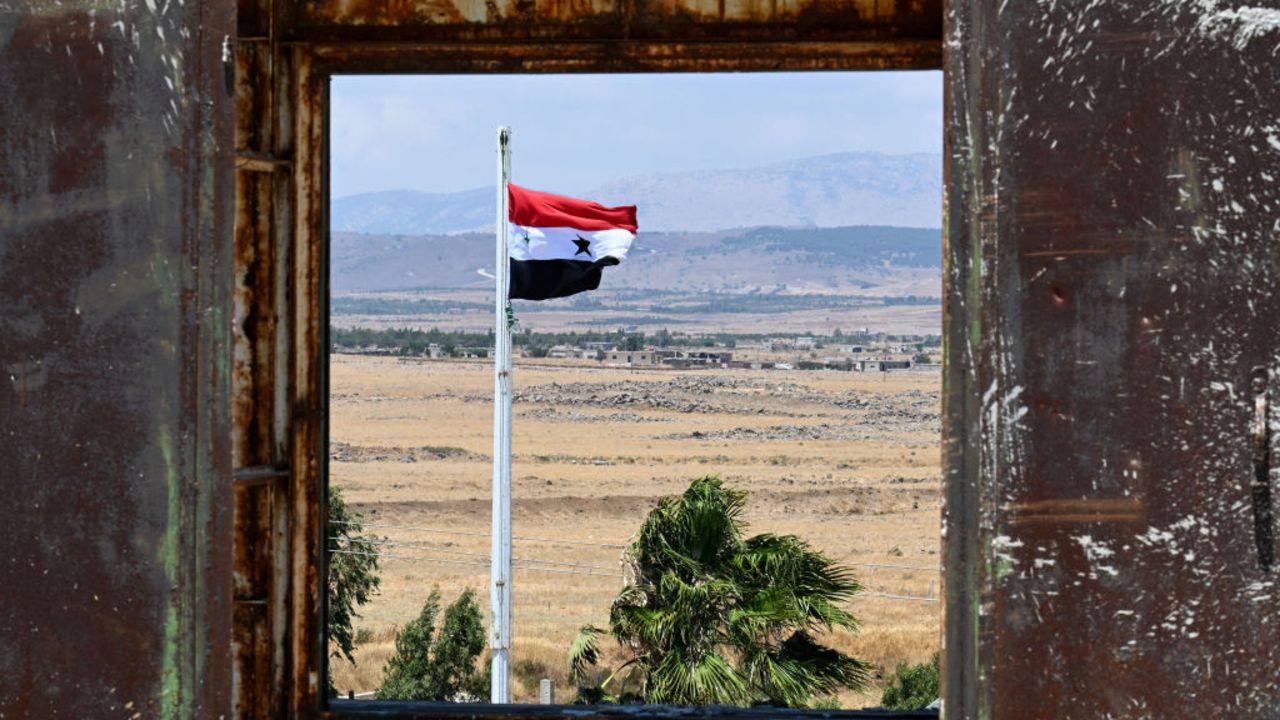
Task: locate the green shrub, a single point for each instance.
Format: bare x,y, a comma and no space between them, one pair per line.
430,665
912,687
353,576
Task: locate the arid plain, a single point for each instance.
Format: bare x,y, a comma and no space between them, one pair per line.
848,461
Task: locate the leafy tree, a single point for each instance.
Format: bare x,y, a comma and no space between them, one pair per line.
712,616
353,578
920,359
912,687
430,665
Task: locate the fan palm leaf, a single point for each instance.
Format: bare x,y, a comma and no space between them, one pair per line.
713,616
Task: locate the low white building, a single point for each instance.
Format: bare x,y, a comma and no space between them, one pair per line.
630,357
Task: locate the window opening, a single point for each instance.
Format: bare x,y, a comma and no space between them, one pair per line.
777,324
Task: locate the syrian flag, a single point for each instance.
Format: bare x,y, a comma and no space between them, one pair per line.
559,246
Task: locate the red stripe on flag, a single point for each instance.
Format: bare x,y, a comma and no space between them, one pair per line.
539,209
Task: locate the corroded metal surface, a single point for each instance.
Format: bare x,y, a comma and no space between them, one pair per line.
1111,261
1113,265
628,20
115,216
285,55
310,372
578,57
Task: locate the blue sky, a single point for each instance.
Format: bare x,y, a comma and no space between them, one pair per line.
574,132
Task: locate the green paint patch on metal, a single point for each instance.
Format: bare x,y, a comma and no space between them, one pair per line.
1003,568
170,679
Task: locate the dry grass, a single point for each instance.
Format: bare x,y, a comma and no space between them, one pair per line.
582,475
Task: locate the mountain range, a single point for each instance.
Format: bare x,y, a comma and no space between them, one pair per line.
843,189
878,260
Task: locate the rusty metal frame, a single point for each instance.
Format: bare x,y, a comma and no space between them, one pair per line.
314,67
283,68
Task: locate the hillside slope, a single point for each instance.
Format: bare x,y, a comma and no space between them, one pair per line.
826,191
886,260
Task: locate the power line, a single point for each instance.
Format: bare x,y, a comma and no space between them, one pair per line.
424,558
534,569
553,541
451,552
895,597
929,568
614,546
892,566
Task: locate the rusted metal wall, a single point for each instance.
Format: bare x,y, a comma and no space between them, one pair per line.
1114,252
1112,257
115,277
617,35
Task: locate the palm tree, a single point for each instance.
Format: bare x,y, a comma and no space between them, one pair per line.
711,616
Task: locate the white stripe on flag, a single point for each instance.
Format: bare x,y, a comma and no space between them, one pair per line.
561,243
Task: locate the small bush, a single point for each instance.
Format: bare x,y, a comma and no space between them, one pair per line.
430,665
912,687
364,636
353,577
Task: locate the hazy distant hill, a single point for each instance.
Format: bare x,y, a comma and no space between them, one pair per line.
890,260
413,213
826,191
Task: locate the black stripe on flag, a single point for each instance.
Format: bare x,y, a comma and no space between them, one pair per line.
546,279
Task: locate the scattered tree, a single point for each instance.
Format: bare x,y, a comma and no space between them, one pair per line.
712,616
920,359
912,687
430,665
353,578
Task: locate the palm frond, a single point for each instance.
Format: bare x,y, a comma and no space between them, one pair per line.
708,679
584,652
829,668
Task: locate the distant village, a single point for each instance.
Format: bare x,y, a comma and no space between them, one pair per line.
872,352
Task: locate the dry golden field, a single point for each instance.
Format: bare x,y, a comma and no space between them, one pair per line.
847,461
561,316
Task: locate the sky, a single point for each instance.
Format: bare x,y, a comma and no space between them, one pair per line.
571,133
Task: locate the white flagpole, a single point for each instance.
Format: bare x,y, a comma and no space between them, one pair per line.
500,561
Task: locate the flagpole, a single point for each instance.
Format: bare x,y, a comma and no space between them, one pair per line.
500,561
